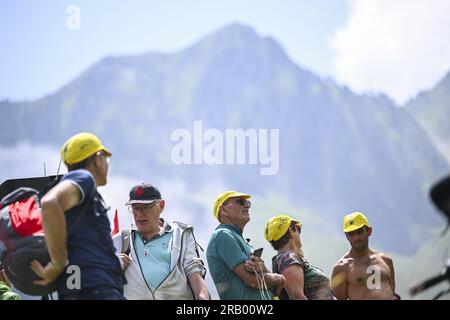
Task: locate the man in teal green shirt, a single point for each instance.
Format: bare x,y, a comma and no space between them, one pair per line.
230,258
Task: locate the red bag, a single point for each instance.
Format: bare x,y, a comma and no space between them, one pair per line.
26,217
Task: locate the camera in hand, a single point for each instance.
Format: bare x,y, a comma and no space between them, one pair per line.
258,252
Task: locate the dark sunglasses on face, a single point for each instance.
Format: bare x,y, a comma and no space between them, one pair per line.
243,202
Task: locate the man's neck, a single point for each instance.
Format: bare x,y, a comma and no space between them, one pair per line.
359,254
92,171
293,248
150,234
240,227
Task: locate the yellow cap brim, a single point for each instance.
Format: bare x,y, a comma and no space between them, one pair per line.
354,227
107,152
246,196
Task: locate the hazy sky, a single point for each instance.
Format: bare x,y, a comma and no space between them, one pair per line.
397,47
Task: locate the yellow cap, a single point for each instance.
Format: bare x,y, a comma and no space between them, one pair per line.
81,146
221,198
354,221
277,226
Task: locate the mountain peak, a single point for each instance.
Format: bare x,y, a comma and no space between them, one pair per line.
233,35
237,37
236,30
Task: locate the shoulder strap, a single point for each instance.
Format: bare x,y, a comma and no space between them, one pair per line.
125,235
183,227
53,182
18,194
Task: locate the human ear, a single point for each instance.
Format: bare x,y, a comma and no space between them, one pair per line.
162,204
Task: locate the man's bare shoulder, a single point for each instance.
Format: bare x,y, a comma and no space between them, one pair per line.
343,262
386,258
339,277
380,255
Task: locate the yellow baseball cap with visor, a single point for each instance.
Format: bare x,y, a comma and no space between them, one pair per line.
224,196
277,226
80,147
354,221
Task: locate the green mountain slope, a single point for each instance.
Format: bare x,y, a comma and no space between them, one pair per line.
339,152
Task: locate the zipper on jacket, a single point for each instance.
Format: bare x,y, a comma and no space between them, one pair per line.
175,265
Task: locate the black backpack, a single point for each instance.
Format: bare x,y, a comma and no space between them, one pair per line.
22,233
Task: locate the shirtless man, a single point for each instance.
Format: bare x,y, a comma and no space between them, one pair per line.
362,273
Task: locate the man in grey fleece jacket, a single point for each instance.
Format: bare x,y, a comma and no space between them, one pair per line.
162,261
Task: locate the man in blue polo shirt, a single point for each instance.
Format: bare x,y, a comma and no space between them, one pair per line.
237,273
83,260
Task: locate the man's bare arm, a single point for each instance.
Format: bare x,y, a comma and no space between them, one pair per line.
390,264
295,282
273,280
59,199
199,287
339,281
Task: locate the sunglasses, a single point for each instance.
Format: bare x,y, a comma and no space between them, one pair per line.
243,202
103,155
